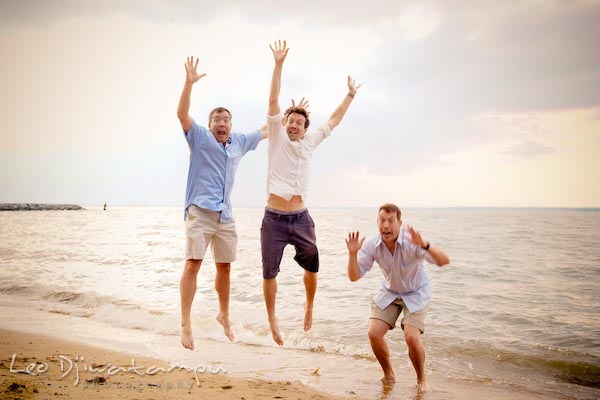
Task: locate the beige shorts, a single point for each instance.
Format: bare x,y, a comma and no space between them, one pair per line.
391,313
202,227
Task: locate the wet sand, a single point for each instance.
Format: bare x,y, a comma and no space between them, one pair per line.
43,367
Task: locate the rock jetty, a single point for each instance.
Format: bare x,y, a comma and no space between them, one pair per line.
37,207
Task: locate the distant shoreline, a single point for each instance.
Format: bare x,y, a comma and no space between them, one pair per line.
50,207
38,207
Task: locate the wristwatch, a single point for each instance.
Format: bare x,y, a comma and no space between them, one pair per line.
426,247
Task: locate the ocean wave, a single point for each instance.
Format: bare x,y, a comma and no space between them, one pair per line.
126,314
565,365
12,288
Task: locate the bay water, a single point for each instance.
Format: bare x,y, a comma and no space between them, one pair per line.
517,308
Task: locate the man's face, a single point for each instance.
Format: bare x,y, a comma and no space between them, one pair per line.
220,126
295,126
389,225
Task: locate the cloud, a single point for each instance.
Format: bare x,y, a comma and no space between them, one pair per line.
529,150
513,159
309,14
513,56
453,95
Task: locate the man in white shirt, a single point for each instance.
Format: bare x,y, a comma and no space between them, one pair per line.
286,219
406,286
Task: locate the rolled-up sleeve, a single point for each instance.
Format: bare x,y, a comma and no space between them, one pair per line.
366,257
274,124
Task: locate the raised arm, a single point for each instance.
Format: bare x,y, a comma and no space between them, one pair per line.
339,112
438,255
279,53
191,76
354,245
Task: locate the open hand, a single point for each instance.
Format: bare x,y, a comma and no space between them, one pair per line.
279,50
415,237
191,69
353,243
352,86
302,104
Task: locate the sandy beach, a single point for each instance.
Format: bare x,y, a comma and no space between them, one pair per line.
42,367
34,366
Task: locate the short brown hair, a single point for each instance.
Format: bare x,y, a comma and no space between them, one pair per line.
298,110
389,207
218,110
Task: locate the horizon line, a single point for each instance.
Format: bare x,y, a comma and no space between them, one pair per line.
133,205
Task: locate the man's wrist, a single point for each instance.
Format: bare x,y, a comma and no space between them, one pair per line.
426,247
351,95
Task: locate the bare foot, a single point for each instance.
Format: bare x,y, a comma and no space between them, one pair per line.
187,339
275,331
388,379
307,318
423,387
226,326
386,390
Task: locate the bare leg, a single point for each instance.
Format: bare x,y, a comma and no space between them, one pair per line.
222,286
310,286
187,290
377,331
270,293
416,352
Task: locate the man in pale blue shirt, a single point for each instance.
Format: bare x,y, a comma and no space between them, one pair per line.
215,154
406,286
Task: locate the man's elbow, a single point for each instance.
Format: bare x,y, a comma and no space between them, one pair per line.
185,120
332,123
353,278
443,261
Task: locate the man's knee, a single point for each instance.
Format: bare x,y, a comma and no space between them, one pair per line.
223,267
310,276
192,266
412,336
377,332
308,258
270,272
374,335
310,252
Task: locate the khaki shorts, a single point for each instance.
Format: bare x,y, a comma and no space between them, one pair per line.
202,227
391,313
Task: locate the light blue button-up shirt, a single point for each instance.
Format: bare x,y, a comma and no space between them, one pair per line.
212,168
405,274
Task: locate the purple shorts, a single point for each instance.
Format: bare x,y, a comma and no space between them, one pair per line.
280,228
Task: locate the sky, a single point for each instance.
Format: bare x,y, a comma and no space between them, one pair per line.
462,103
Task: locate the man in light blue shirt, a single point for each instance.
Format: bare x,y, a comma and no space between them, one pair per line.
215,154
406,286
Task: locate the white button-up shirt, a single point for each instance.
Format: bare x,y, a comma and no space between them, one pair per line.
289,161
405,274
